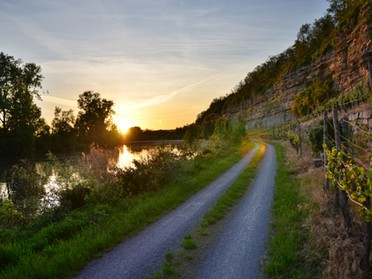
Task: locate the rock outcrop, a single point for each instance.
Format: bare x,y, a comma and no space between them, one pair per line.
346,65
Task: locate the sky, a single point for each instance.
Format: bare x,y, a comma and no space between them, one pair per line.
161,62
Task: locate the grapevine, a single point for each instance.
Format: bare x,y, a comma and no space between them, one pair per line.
294,139
353,178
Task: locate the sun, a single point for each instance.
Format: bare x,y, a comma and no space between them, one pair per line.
123,125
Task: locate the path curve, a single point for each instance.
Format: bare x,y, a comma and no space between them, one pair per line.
143,254
241,243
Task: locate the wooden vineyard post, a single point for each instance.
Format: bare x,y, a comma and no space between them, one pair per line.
325,128
367,238
344,197
298,132
368,224
338,147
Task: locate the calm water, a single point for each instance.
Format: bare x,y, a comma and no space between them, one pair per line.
127,154
122,158
3,191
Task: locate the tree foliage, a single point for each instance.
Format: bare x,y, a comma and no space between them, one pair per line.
345,13
94,121
20,118
307,100
63,131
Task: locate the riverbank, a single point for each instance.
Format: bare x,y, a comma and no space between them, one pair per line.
49,248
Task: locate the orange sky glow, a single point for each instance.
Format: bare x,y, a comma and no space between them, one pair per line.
160,62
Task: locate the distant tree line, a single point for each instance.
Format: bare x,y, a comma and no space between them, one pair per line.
137,134
24,133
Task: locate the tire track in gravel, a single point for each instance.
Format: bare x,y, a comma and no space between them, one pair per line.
240,245
143,254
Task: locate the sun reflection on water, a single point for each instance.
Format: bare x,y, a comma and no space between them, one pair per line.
127,156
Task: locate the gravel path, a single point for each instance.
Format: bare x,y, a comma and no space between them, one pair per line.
143,254
237,251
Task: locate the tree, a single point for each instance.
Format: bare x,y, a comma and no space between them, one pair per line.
134,134
94,121
345,13
20,118
192,136
43,142
63,122
63,130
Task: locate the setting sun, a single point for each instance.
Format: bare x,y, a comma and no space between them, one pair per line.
123,125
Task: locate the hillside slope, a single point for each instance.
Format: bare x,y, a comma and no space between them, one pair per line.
330,60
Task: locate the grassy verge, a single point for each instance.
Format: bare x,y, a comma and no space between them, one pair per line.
60,248
233,193
183,263
285,252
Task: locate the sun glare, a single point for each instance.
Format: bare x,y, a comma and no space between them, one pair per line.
123,125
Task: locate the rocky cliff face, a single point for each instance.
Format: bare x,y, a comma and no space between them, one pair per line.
346,65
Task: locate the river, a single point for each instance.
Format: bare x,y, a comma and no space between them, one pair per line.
123,157
135,151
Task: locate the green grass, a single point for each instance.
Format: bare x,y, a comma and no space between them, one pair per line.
188,243
167,270
65,246
233,193
288,237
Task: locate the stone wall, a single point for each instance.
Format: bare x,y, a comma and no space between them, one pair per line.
361,123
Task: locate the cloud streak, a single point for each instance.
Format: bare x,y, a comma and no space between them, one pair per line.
144,54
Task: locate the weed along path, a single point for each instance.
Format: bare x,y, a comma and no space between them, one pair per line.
142,255
240,245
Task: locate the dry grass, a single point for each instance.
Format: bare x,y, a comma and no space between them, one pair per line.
334,249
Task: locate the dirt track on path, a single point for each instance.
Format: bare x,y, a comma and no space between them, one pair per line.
142,255
240,245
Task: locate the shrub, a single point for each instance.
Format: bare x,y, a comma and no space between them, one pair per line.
151,172
75,197
306,101
9,215
26,189
316,139
96,163
294,139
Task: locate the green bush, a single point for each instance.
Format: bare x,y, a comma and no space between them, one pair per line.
151,173
9,215
75,197
26,189
316,137
306,101
294,139
316,140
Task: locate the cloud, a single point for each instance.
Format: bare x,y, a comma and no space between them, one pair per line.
146,53
160,99
58,101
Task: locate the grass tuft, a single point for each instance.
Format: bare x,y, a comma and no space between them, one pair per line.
188,243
